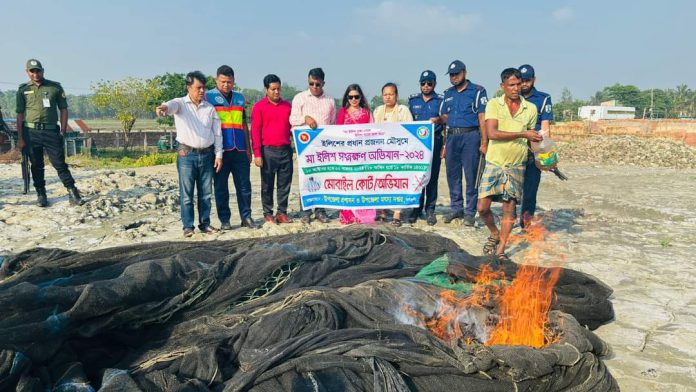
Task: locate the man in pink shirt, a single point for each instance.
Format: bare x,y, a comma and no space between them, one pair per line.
312,108
270,138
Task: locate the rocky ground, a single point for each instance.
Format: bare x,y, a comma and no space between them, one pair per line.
630,225
630,151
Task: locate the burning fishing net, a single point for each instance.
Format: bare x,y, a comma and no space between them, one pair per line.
341,310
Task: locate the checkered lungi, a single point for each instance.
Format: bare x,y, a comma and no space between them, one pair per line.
502,183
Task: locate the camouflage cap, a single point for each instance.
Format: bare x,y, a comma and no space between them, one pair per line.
34,64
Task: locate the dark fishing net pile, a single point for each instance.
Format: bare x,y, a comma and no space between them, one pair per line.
308,312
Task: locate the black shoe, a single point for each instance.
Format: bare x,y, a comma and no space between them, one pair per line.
452,216
469,220
74,197
188,232
248,222
41,199
431,220
227,226
306,219
322,217
413,217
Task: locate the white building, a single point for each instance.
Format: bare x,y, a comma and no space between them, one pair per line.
595,113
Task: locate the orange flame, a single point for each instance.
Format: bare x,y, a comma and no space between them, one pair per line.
523,304
444,322
524,308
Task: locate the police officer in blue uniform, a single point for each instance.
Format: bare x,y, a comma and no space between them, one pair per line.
426,107
463,108
532,175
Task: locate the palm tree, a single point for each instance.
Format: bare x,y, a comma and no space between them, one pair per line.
681,100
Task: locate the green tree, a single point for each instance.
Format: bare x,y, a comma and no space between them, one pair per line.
661,102
566,96
171,85
130,99
626,95
81,106
288,92
252,95
683,101
566,108
375,101
8,102
597,98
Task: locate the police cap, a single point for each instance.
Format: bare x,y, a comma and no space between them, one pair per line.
456,67
34,64
527,71
427,75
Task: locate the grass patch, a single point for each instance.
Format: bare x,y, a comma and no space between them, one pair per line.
666,242
111,158
114,125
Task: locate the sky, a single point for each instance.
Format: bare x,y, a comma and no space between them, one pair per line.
580,45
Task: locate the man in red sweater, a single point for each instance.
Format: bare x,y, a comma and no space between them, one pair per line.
270,138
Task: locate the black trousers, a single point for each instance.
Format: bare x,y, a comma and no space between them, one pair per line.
429,196
276,170
50,141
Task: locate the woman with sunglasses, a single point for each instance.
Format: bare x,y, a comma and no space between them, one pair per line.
355,110
391,111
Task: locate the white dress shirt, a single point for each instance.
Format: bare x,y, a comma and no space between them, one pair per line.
196,126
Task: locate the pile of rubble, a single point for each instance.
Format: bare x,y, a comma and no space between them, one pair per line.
629,151
112,193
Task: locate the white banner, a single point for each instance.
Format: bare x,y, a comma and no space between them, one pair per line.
361,166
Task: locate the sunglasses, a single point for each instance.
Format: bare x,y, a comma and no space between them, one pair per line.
353,97
315,84
427,83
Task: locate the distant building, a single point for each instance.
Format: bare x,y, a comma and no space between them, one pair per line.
595,113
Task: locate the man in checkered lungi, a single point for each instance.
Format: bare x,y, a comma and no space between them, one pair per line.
510,121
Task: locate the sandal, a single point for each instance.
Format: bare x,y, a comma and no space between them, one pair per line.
396,222
490,246
502,258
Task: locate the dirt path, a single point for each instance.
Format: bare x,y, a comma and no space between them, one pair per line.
634,228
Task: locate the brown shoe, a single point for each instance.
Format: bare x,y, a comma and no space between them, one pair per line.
269,219
209,230
322,217
283,218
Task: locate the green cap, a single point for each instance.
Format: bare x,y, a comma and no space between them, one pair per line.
34,64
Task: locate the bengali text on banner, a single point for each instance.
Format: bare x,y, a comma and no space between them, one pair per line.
360,166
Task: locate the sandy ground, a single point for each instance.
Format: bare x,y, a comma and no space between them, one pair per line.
634,228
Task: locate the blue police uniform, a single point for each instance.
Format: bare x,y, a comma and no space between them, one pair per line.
532,175
423,110
463,143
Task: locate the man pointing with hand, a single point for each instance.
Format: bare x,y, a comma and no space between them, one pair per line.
199,136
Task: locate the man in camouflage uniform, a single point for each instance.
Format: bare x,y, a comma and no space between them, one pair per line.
39,102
